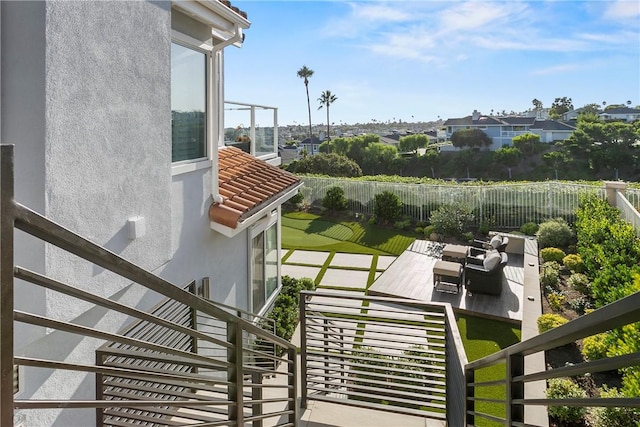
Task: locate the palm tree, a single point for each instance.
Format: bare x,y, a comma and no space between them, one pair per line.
305,73
326,99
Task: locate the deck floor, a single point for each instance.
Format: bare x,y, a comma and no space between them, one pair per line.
411,276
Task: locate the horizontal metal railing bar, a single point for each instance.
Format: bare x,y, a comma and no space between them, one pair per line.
316,342
379,394
488,417
256,318
229,423
271,386
125,367
487,400
87,404
601,365
488,383
34,319
356,338
351,383
197,415
137,419
375,335
38,226
165,408
373,319
266,416
413,308
117,372
629,402
428,377
155,357
348,356
611,316
38,279
382,407
337,378
348,360
346,322
151,389
218,389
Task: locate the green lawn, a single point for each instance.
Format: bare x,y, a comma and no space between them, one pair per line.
301,230
482,337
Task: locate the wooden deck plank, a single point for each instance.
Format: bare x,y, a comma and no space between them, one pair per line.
411,276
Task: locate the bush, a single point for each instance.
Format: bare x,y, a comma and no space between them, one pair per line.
419,230
595,346
580,283
285,307
429,230
549,274
330,164
402,225
529,228
452,219
580,304
387,206
615,416
574,263
483,228
468,236
334,199
564,388
296,199
556,301
552,254
549,321
554,232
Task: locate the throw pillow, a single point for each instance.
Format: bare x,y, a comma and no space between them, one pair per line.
491,261
495,241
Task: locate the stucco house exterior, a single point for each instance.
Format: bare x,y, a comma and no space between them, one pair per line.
502,130
116,113
622,113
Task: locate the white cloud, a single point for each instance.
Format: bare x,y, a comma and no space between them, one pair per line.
622,9
556,69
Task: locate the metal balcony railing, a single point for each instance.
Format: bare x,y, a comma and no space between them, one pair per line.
612,316
382,353
252,128
184,362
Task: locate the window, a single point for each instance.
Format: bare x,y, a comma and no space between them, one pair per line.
264,266
188,103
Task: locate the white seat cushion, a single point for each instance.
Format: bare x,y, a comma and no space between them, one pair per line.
491,261
495,241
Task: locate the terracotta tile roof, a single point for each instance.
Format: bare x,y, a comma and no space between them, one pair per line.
234,8
246,184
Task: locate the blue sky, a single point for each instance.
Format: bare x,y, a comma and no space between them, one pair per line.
420,60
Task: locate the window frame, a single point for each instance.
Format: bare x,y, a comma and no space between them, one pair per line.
261,228
190,165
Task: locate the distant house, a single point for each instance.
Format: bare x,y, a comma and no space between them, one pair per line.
622,113
502,130
311,145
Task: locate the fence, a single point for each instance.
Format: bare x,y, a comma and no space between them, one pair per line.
503,206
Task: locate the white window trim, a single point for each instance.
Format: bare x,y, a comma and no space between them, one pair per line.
273,218
190,165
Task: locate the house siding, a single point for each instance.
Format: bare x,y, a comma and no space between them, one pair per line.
86,100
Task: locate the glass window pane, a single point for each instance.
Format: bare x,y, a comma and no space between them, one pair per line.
257,264
271,260
188,103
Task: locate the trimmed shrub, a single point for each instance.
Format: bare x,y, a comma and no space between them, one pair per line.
549,321
564,388
580,304
595,346
580,283
468,236
419,230
452,219
334,199
529,228
296,199
555,232
574,263
549,274
552,254
556,301
387,206
615,416
429,230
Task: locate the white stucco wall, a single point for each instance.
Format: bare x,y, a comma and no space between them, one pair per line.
86,100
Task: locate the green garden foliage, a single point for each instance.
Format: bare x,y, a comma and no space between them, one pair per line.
552,254
471,138
334,199
549,275
452,219
580,282
574,263
556,300
555,232
529,228
615,416
285,307
296,199
564,388
331,164
549,321
595,346
387,206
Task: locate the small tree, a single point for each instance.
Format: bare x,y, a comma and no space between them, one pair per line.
387,206
411,143
452,219
526,142
472,138
508,156
334,199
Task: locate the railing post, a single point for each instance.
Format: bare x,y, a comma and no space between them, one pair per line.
293,386
252,131
99,388
235,373
515,390
303,350
7,216
470,406
325,323
256,394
